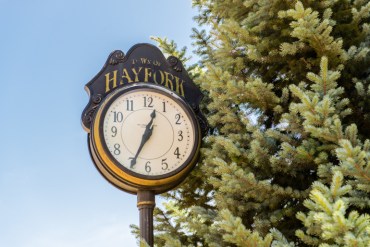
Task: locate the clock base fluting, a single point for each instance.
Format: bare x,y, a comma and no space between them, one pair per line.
146,204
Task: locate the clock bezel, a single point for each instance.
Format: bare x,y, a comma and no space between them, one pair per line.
115,168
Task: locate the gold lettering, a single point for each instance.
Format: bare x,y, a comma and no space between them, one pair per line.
179,86
169,83
147,74
108,80
125,75
144,60
155,77
136,73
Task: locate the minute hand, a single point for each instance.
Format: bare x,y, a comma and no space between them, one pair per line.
147,134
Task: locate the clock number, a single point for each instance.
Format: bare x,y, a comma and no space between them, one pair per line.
180,136
116,149
117,117
147,167
178,117
130,105
149,101
164,164
114,131
164,106
177,153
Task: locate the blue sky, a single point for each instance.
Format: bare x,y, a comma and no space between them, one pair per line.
50,192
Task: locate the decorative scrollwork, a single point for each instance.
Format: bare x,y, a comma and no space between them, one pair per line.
89,115
175,63
97,98
203,124
204,127
117,57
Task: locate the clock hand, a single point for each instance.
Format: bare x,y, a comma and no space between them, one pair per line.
147,134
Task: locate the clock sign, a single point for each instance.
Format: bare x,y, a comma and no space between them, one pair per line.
143,121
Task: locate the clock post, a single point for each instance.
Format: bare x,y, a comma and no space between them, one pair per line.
144,125
146,204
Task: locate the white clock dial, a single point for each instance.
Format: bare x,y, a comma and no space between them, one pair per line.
148,132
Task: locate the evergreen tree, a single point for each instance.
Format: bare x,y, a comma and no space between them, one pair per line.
287,159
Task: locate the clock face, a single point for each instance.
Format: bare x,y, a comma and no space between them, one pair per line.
149,132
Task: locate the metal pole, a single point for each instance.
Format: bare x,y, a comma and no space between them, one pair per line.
146,204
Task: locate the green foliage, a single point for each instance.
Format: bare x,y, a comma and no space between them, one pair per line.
286,163
236,232
170,49
328,222
143,243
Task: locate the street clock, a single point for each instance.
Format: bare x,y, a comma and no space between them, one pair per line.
145,136
144,125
